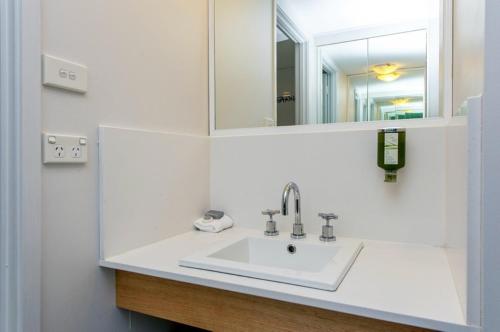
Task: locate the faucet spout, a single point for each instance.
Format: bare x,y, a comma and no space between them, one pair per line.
298,227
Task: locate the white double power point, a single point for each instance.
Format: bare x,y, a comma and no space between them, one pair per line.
63,149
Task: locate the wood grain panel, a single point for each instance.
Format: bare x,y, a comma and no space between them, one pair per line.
218,310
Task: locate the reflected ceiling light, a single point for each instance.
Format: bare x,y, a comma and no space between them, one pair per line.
389,77
385,69
400,101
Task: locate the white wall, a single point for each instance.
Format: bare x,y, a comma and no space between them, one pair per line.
491,165
143,73
468,77
342,97
336,172
244,63
468,50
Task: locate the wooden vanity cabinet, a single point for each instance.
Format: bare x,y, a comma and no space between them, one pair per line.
219,310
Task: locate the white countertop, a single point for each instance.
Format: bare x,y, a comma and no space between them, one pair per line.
403,283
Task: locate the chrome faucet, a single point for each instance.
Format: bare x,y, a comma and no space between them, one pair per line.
298,227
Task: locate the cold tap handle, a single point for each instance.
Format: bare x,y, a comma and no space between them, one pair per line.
328,217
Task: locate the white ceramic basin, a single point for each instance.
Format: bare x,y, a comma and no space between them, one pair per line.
310,263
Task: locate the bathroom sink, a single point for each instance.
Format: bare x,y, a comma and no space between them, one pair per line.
308,262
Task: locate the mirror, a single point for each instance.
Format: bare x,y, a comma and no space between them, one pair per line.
344,69
373,79
297,62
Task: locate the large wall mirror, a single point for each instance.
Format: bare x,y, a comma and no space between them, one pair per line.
296,62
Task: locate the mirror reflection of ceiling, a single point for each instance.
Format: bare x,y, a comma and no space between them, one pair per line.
410,83
408,50
280,36
324,16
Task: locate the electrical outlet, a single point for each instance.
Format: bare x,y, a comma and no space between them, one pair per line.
76,152
64,149
59,151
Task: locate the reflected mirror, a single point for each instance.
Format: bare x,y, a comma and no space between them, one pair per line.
297,62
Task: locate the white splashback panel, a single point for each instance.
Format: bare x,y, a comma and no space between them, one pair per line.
152,186
336,172
464,200
456,205
474,211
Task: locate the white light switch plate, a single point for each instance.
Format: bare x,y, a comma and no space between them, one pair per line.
63,74
63,149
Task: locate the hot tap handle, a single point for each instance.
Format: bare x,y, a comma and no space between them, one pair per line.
270,213
271,224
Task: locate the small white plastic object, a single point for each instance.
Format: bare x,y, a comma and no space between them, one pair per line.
63,74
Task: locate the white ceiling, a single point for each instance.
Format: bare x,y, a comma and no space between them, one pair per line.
322,16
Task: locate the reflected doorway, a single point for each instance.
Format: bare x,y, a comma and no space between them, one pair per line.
286,82
329,95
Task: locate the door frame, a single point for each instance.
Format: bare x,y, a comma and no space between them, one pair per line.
20,165
333,80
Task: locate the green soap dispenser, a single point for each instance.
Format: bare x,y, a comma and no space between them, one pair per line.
391,152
